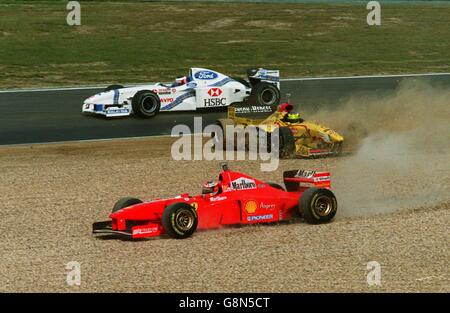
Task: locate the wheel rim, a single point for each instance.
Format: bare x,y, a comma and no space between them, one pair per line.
184,219
323,206
268,96
148,104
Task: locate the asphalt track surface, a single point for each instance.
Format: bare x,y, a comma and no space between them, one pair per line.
55,115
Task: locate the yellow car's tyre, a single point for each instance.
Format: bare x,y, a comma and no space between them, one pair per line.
286,143
223,123
318,205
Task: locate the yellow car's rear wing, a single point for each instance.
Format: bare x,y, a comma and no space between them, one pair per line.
242,120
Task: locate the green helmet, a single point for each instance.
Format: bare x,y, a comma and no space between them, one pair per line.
293,118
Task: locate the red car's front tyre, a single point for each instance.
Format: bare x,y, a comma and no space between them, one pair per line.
179,220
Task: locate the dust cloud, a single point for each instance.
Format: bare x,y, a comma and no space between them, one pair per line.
401,145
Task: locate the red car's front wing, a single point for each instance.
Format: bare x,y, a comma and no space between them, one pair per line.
137,231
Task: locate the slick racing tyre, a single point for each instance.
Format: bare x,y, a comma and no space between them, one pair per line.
286,143
275,185
113,87
125,203
266,94
318,205
145,103
179,220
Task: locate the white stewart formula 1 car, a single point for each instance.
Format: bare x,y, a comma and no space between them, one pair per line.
202,88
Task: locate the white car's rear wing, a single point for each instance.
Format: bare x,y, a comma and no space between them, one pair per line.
256,75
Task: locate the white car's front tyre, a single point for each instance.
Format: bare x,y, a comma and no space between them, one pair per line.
145,103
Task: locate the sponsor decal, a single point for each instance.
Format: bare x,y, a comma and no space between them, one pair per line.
218,198
250,206
145,230
191,85
215,92
194,205
166,100
267,206
206,75
117,111
253,109
215,102
259,217
165,91
321,178
243,183
305,173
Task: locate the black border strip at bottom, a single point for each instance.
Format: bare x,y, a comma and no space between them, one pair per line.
220,302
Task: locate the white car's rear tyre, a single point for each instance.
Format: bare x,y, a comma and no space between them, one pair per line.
266,94
145,103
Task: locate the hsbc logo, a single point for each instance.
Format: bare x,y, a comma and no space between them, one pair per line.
215,92
215,102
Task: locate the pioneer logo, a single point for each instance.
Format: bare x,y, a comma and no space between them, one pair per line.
215,92
260,217
243,183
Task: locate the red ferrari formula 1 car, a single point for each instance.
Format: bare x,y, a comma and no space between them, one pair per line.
235,198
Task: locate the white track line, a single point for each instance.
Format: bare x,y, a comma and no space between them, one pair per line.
49,89
366,76
93,140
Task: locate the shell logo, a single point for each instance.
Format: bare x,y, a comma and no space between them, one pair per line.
250,207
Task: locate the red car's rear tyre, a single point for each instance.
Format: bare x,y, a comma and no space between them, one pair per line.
124,203
318,205
179,220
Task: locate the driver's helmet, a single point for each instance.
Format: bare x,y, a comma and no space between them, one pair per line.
210,188
293,118
180,81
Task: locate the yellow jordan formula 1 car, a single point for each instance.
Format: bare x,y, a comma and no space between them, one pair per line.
297,137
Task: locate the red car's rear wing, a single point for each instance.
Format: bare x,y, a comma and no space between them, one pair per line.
298,180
